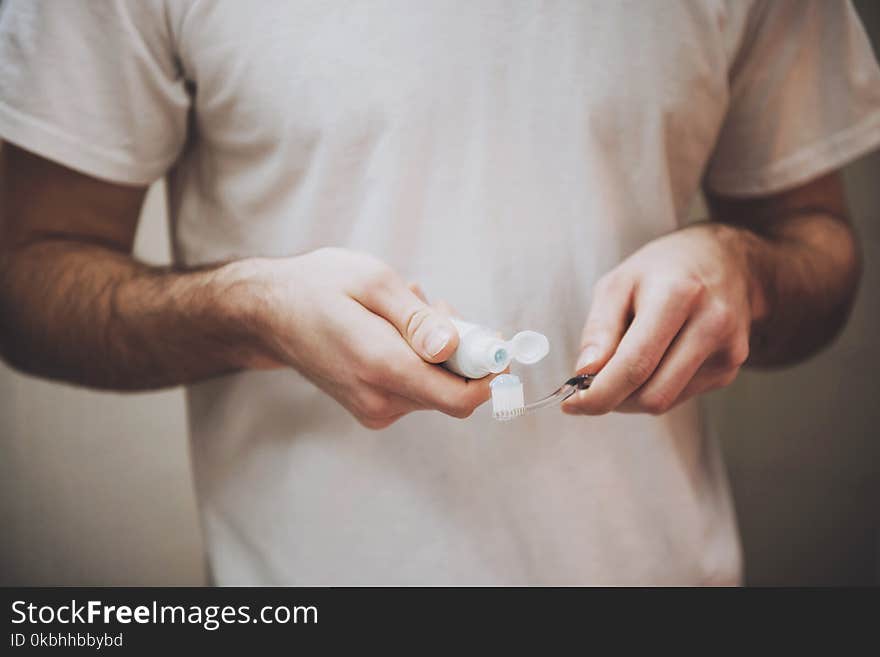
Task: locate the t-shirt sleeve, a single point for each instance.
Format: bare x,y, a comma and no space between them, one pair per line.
804,98
93,85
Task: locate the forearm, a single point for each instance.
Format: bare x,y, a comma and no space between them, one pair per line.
804,273
91,315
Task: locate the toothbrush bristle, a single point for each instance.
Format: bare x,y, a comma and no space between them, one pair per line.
507,397
507,414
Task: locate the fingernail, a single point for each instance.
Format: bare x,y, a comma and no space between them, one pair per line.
437,339
589,356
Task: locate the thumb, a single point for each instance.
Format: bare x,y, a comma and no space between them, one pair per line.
606,323
427,330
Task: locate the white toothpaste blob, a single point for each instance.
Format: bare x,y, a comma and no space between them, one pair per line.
481,352
508,400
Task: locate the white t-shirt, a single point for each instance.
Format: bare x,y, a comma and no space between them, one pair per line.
504,155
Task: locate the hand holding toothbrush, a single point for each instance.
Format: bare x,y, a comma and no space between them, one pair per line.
670,322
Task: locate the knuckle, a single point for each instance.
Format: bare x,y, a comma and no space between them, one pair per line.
373,407
739,352
638,369
373,424
655,402
689,287
460,408
720,319
463,411
376,368
416,320
720,380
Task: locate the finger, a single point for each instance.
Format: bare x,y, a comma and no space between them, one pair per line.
368,404
437,388
712,344
720,369
391,366
428,331
433,387
689,351
416,289
658,319
377,424
442,305
379,405
610,312
708,379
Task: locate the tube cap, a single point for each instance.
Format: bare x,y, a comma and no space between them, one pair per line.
529,347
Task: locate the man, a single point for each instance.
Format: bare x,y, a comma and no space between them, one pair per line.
532,163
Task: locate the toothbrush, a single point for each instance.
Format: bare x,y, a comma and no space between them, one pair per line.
508,401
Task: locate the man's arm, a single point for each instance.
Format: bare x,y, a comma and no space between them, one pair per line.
769,282
76,306
805,261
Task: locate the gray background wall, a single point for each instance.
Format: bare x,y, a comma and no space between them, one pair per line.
95,488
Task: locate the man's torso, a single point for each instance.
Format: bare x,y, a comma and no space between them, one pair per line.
503,155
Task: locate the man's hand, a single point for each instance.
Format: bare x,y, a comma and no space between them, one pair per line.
350,324
668,323
774,275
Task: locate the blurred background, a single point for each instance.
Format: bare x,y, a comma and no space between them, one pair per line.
95,488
